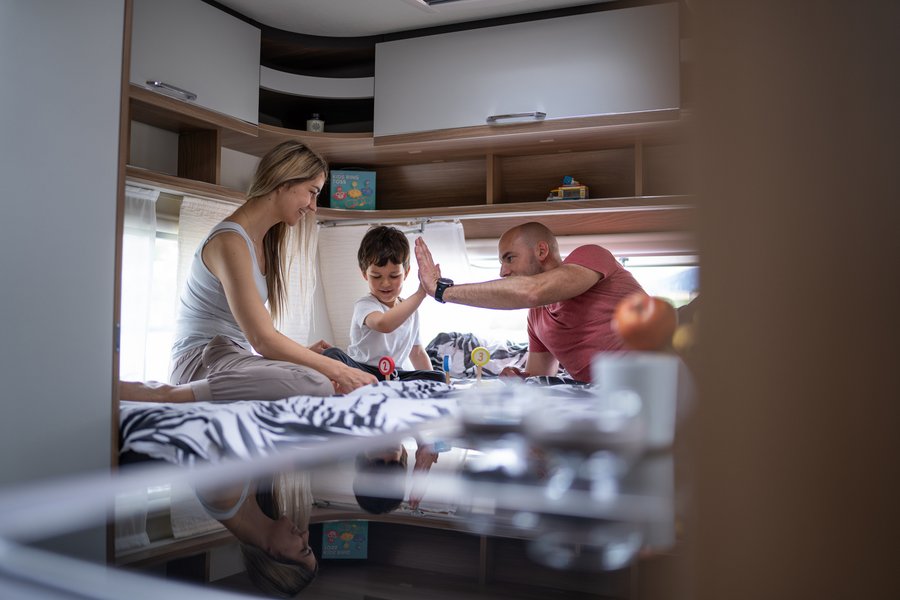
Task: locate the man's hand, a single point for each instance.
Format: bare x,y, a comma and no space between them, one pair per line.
429,272
514,372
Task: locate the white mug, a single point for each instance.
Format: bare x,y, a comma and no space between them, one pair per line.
654,377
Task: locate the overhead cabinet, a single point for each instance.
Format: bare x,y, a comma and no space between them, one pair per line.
611,61
192,51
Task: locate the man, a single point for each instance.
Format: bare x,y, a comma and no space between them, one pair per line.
571,301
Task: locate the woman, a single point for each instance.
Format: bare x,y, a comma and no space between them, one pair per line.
222,317
270,518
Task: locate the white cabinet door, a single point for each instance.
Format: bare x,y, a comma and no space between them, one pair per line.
195,47
604,62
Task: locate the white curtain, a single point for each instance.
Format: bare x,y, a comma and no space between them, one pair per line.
199,215
138,247
342,282
196,218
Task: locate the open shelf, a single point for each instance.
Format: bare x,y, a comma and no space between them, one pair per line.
183,186
581,217
491,177
179,116
550,136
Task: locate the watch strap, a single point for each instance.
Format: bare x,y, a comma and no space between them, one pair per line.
440,287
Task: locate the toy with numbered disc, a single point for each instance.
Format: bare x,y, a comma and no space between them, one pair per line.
481,357
386,366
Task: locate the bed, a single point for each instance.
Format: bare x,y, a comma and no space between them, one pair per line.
207,432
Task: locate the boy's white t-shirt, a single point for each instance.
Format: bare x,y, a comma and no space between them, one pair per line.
367,346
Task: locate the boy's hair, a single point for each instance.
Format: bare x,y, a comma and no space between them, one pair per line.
382,245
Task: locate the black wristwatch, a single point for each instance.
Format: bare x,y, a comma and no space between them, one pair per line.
442,284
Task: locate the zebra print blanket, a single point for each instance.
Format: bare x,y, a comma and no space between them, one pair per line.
212,431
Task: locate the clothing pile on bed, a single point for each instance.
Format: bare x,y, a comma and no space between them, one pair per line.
459,346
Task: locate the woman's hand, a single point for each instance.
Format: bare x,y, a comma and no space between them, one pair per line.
348,379
320,347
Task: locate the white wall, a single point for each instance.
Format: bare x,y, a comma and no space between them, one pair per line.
60,68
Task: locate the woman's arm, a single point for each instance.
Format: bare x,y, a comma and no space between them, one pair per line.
394,317
419,358
228,258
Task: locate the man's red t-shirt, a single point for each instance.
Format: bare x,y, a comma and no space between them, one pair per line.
574,330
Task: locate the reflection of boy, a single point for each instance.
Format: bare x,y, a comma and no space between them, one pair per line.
380,481
384,324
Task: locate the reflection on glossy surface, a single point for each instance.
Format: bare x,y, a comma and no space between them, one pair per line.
561,470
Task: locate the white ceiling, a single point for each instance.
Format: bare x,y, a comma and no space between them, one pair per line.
355,18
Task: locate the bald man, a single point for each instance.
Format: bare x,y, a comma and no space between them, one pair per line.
571,301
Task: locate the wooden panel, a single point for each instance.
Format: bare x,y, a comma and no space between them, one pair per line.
512,565
607,173
558,135
178,185
613,215
176,115
667,170
494,178
423,548
456,183
169,549
198,155
562,223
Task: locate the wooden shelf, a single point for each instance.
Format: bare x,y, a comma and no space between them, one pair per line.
477,174
551,136
578,217
176,115
182,186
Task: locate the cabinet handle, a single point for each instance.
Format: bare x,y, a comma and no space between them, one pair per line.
161,85
536,114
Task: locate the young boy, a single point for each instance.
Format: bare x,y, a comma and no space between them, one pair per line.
383,324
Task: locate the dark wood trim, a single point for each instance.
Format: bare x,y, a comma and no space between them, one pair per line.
179,185
577,217
176,115
124,141
199,155
639,168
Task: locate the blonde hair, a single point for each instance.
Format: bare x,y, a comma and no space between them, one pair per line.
293,497
288,163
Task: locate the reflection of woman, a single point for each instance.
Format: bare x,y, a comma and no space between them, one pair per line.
271,520
227,346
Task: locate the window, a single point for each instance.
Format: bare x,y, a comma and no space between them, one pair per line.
672,276
149,275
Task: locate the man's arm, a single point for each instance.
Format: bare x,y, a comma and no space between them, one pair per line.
523,291
541,363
